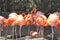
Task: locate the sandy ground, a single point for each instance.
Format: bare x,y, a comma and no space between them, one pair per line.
24,38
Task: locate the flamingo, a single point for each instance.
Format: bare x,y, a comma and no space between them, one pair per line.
20,22
12,18
53,20
29,21
2,23
58,24
34,16
39,19
33,33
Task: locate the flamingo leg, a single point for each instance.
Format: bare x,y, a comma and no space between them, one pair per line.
42,31
28,30
0,30
0,33
52,32
37,30
6,33
16,31
20,31
58,31
12,33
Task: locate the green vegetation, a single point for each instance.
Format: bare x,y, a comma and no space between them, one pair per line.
26,5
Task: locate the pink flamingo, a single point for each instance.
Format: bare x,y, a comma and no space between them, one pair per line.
33,33
20,21
53,20
2,23
11,19
41,20
29,21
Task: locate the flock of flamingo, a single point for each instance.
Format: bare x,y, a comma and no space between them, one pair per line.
34,18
